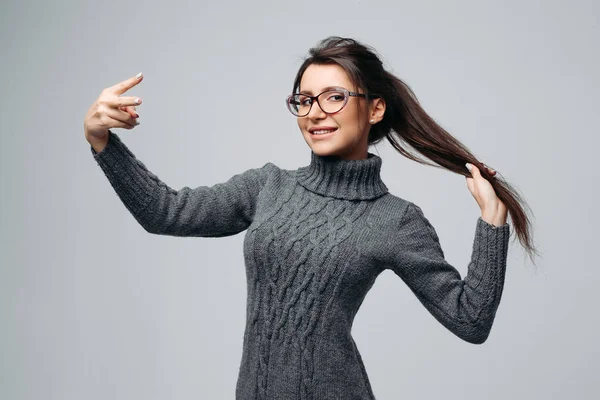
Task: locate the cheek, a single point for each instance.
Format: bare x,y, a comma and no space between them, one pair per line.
349,120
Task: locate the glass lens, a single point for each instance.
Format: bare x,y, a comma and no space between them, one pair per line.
331,101
293,103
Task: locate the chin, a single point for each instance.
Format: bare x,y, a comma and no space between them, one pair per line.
324,150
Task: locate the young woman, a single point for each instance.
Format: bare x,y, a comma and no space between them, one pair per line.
317,237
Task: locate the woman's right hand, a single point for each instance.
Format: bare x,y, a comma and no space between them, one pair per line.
111,110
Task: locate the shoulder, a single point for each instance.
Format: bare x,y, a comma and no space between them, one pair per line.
396,217
391,209
277,174
272,171
253,179
270,166
400,228
270,177
263,172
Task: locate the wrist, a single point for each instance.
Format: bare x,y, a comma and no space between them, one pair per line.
493,217
98,144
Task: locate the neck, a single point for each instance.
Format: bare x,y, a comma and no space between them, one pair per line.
333,176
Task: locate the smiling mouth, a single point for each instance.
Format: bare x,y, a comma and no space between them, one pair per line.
323,132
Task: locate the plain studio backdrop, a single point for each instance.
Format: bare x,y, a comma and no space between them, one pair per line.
94,307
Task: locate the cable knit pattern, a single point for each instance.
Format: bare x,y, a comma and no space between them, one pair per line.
316,239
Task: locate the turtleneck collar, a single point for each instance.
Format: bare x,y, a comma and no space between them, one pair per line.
343,179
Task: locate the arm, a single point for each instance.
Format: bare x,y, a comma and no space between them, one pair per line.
466,307
221,210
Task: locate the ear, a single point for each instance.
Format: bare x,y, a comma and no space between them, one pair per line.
377,109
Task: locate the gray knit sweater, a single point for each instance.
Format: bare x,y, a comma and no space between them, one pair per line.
316,239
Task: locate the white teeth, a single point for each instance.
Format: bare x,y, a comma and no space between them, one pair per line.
322,132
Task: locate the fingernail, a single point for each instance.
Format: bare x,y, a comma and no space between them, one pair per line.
137,115
468,166
137,122
137,100
138,76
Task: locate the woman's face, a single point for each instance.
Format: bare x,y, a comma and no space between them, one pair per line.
350,138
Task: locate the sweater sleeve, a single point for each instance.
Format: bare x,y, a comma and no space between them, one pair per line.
223,209
466,307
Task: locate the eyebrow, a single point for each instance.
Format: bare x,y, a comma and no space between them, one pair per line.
322,90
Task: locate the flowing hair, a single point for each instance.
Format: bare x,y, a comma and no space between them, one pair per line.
406,122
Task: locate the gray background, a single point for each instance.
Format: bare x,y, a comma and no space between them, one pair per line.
94,307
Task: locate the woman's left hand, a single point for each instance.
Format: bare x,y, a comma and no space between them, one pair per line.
493,210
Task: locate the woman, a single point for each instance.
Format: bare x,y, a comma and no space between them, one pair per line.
318,236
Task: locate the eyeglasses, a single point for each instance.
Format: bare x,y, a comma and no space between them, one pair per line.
330,101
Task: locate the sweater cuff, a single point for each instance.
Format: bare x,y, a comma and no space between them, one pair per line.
497,236
490,249
129,177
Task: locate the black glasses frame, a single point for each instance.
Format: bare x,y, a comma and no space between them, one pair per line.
314,99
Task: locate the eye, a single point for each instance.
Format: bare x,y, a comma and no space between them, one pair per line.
336,97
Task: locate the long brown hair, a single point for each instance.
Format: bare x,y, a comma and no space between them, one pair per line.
406,122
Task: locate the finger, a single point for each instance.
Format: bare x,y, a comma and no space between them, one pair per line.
491,171
127,84
121,116
124,101
119,124
474,170
130,110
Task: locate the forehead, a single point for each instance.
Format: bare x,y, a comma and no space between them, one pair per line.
317,77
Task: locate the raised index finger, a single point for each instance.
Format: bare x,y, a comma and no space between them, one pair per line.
127,84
